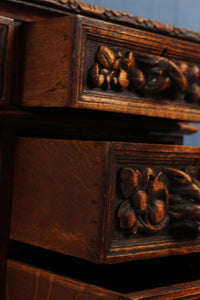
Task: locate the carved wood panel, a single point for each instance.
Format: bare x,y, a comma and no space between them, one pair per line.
113,68
156,201
153,199
130,71
146,75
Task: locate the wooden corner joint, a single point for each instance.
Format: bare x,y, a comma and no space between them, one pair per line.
145,74
155,199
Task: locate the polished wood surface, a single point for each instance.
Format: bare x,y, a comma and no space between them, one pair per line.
135,72
94,105
28,282
106,201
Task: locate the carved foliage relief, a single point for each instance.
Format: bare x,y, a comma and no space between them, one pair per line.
152,199
154,76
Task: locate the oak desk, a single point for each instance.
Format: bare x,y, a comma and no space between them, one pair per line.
99,198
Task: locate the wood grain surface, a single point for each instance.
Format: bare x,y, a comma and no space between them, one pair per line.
161,80
29,283
26,282
88,210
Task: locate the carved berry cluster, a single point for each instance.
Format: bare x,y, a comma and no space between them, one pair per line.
153,198
145,74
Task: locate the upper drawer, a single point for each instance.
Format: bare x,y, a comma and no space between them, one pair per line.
6,55
106,201
86,63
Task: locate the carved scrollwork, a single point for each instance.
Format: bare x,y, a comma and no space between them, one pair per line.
155,198
147,75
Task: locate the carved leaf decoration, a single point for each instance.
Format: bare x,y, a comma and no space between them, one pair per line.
153,228
130,180
156,196
145,74
156,212
158,189
194,191
127,215
156,85
193,211
139,200
177,177
148,174
177,75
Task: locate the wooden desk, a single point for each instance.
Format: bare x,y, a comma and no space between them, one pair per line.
99,198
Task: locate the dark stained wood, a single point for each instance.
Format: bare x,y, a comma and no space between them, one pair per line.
44,285
28,283
113,68
105,201
81,83
24,14
81,183
50,74
189,290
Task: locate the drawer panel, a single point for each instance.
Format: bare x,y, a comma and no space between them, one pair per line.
106,201
25,282
112,67
6,55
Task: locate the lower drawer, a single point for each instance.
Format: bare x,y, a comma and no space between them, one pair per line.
106,201
25,282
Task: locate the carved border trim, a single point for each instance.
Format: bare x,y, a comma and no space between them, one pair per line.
118,17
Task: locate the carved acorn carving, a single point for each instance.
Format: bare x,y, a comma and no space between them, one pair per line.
120,80
128,62
97,78
157,212
127,215
106,57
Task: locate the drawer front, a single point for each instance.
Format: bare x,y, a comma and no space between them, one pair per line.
112,67
105,201
6,54
26,283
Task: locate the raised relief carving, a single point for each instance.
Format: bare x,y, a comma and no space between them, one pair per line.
154,199
154,76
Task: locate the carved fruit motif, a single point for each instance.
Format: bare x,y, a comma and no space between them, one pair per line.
147,196
148,75
106,57
152,198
